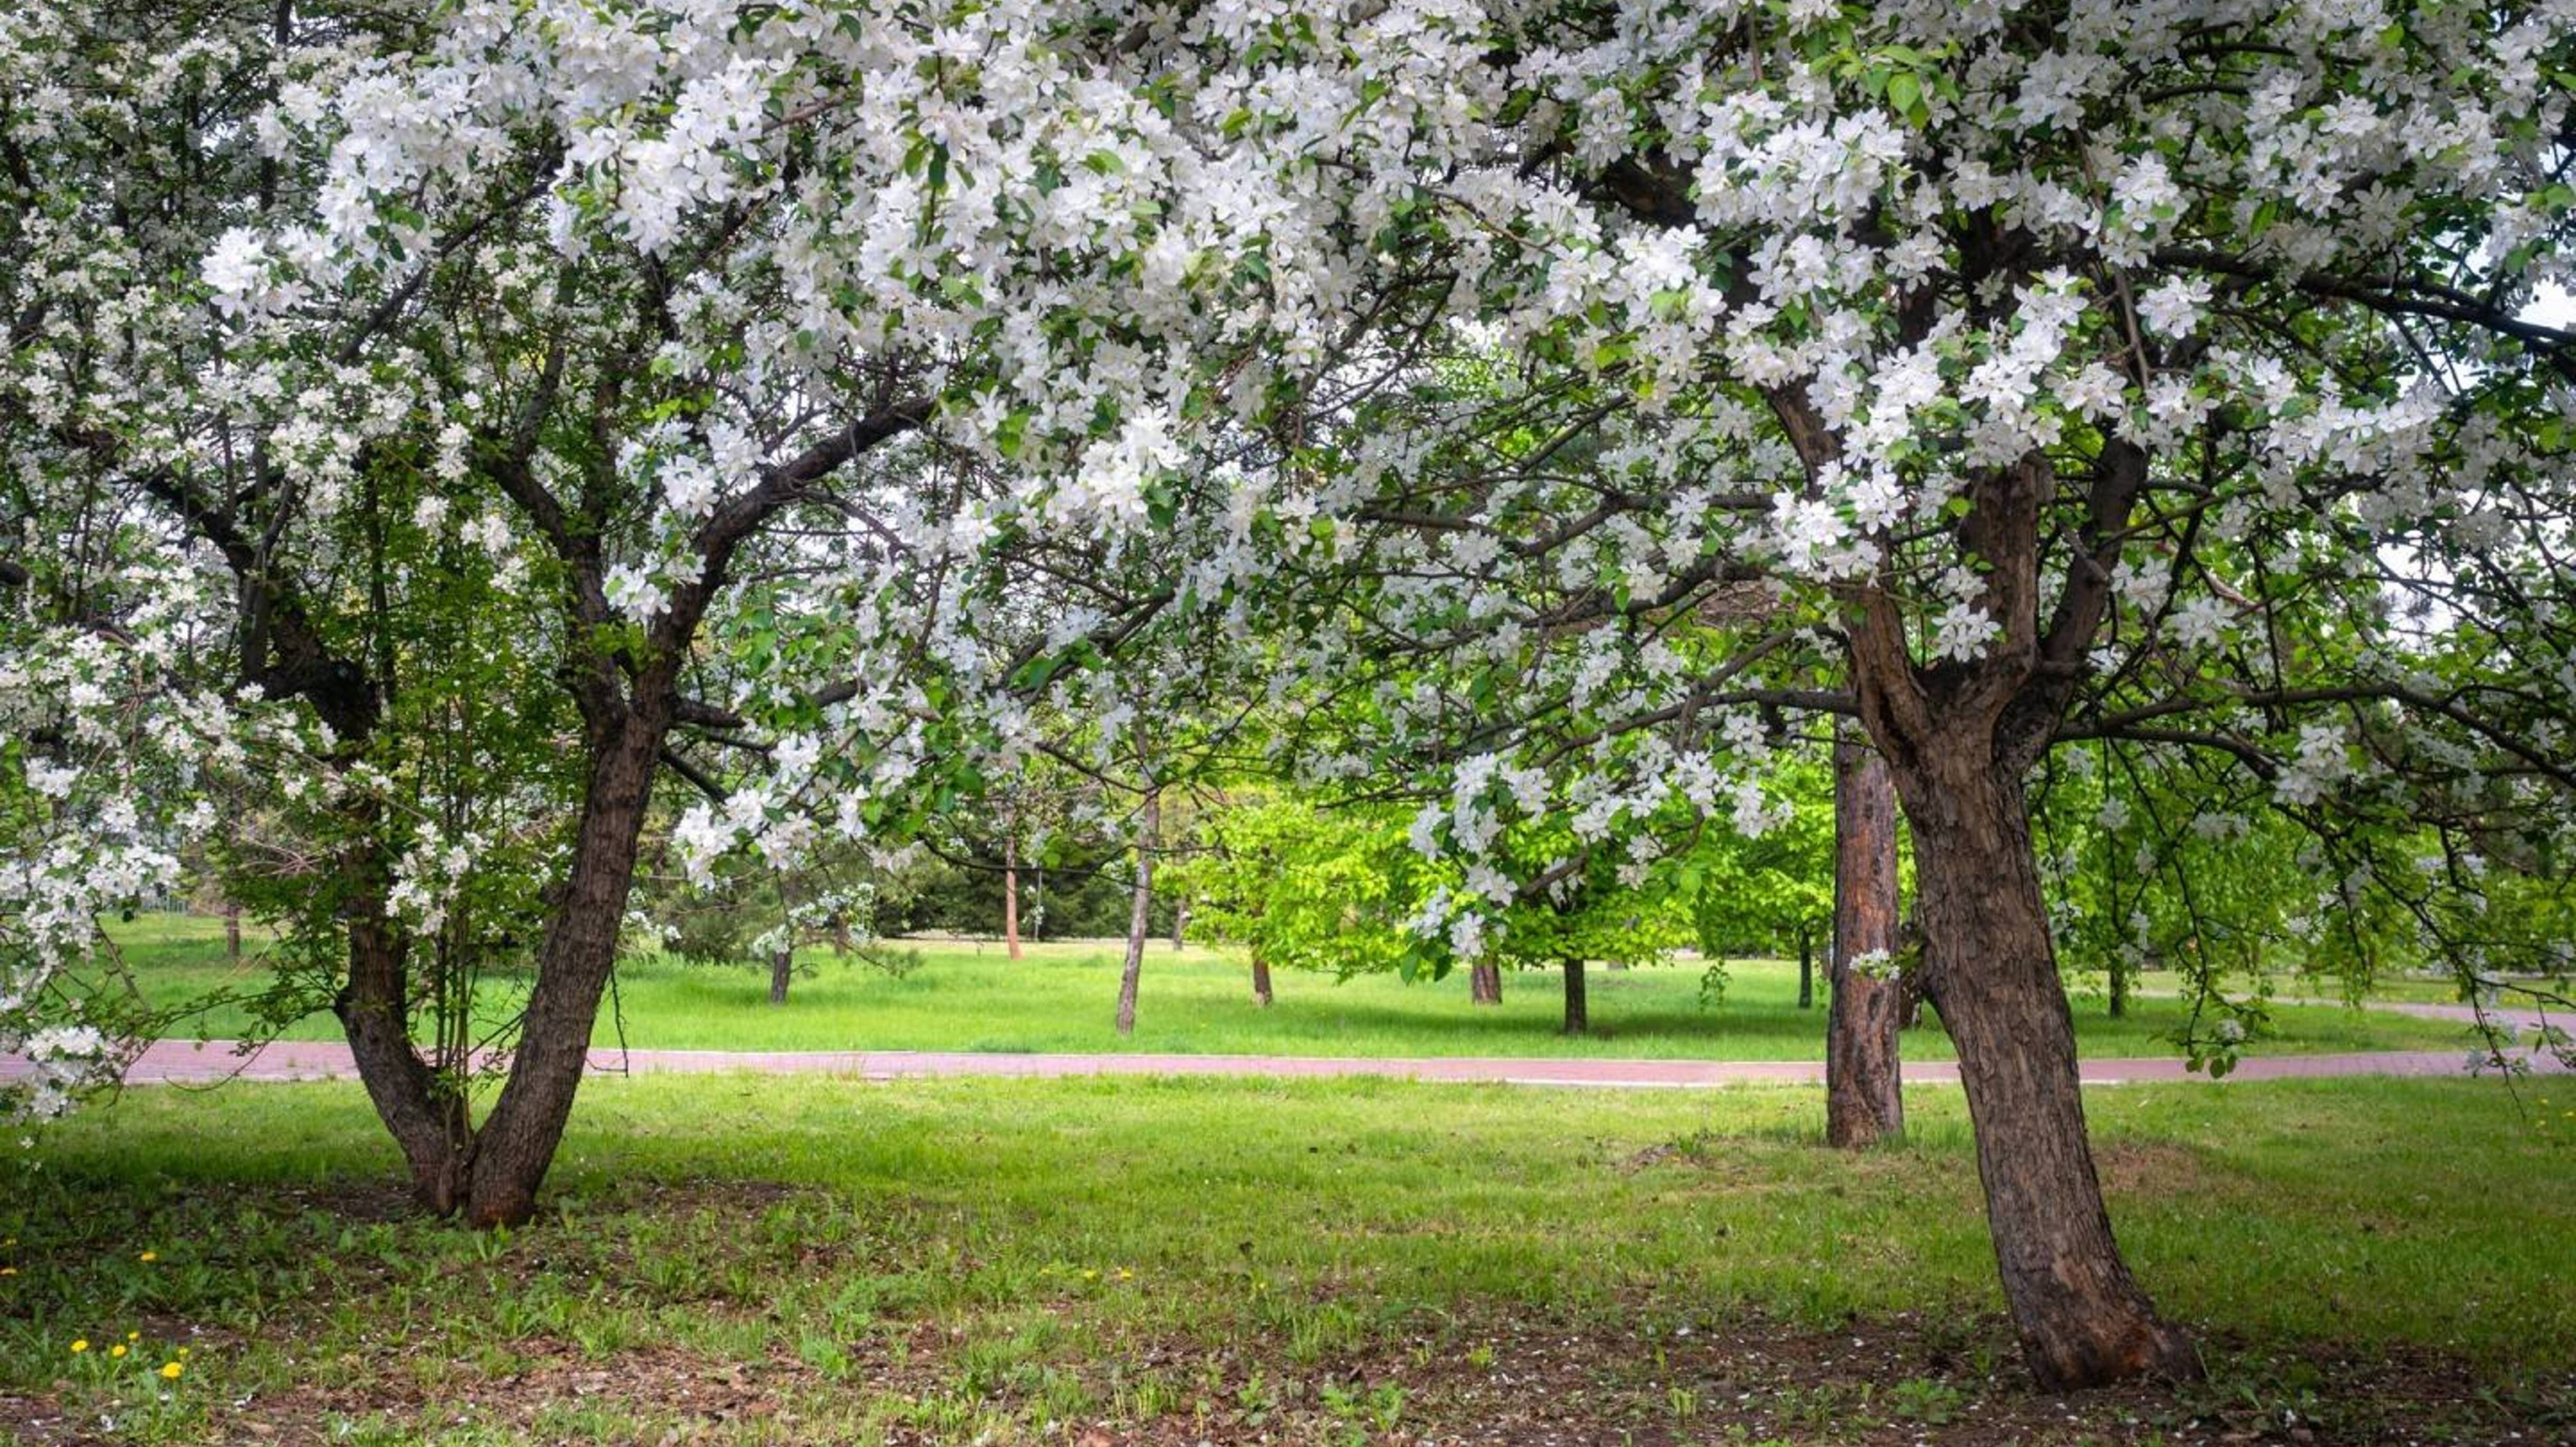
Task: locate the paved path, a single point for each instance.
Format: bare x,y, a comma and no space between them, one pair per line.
188,1062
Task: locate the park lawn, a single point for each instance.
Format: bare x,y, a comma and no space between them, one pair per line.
736,1259
1060,997
2413,989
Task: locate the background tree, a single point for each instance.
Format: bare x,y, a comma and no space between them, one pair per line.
1300,887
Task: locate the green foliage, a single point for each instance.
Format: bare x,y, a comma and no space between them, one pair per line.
1759,895
1301,886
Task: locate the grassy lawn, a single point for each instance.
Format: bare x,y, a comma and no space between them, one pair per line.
741,1260
2410,989
961,996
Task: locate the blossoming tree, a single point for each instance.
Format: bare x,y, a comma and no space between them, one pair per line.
2058,374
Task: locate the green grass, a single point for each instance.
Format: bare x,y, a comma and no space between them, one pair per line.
2412,989
962,996
741,1259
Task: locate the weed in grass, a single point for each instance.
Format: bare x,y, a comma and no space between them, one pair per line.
1925,1400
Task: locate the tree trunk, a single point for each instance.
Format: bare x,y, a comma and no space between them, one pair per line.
1149,827
580,947
1485,983
2119,988
1180,923
1261,979
232,932
425,1115
782,968
1578,1019
1806,969
1864,1101
1991,971
1011,894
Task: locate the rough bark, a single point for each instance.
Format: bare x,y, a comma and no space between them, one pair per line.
782,968
1138,910
426,1117
1578,1014
580,947
1864,1099
1011,895
1485,984
1991,971
1959,736
1261,980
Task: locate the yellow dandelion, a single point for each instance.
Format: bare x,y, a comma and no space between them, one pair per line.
170,1371
81,1345
149,1256
117,1350
134,1336
8,1270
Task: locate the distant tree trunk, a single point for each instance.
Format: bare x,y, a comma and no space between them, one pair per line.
1806,968
1485,983
782,968
1864,1102
1261,979
1180,922
1578,1019
1011,894
2119,988
1147,830
842,944
232,932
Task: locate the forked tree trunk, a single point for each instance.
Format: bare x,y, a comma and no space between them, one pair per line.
1991,971
1578,1014
518,1140
1864,1098
1011,894
1138,910
1261,979
1485,983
